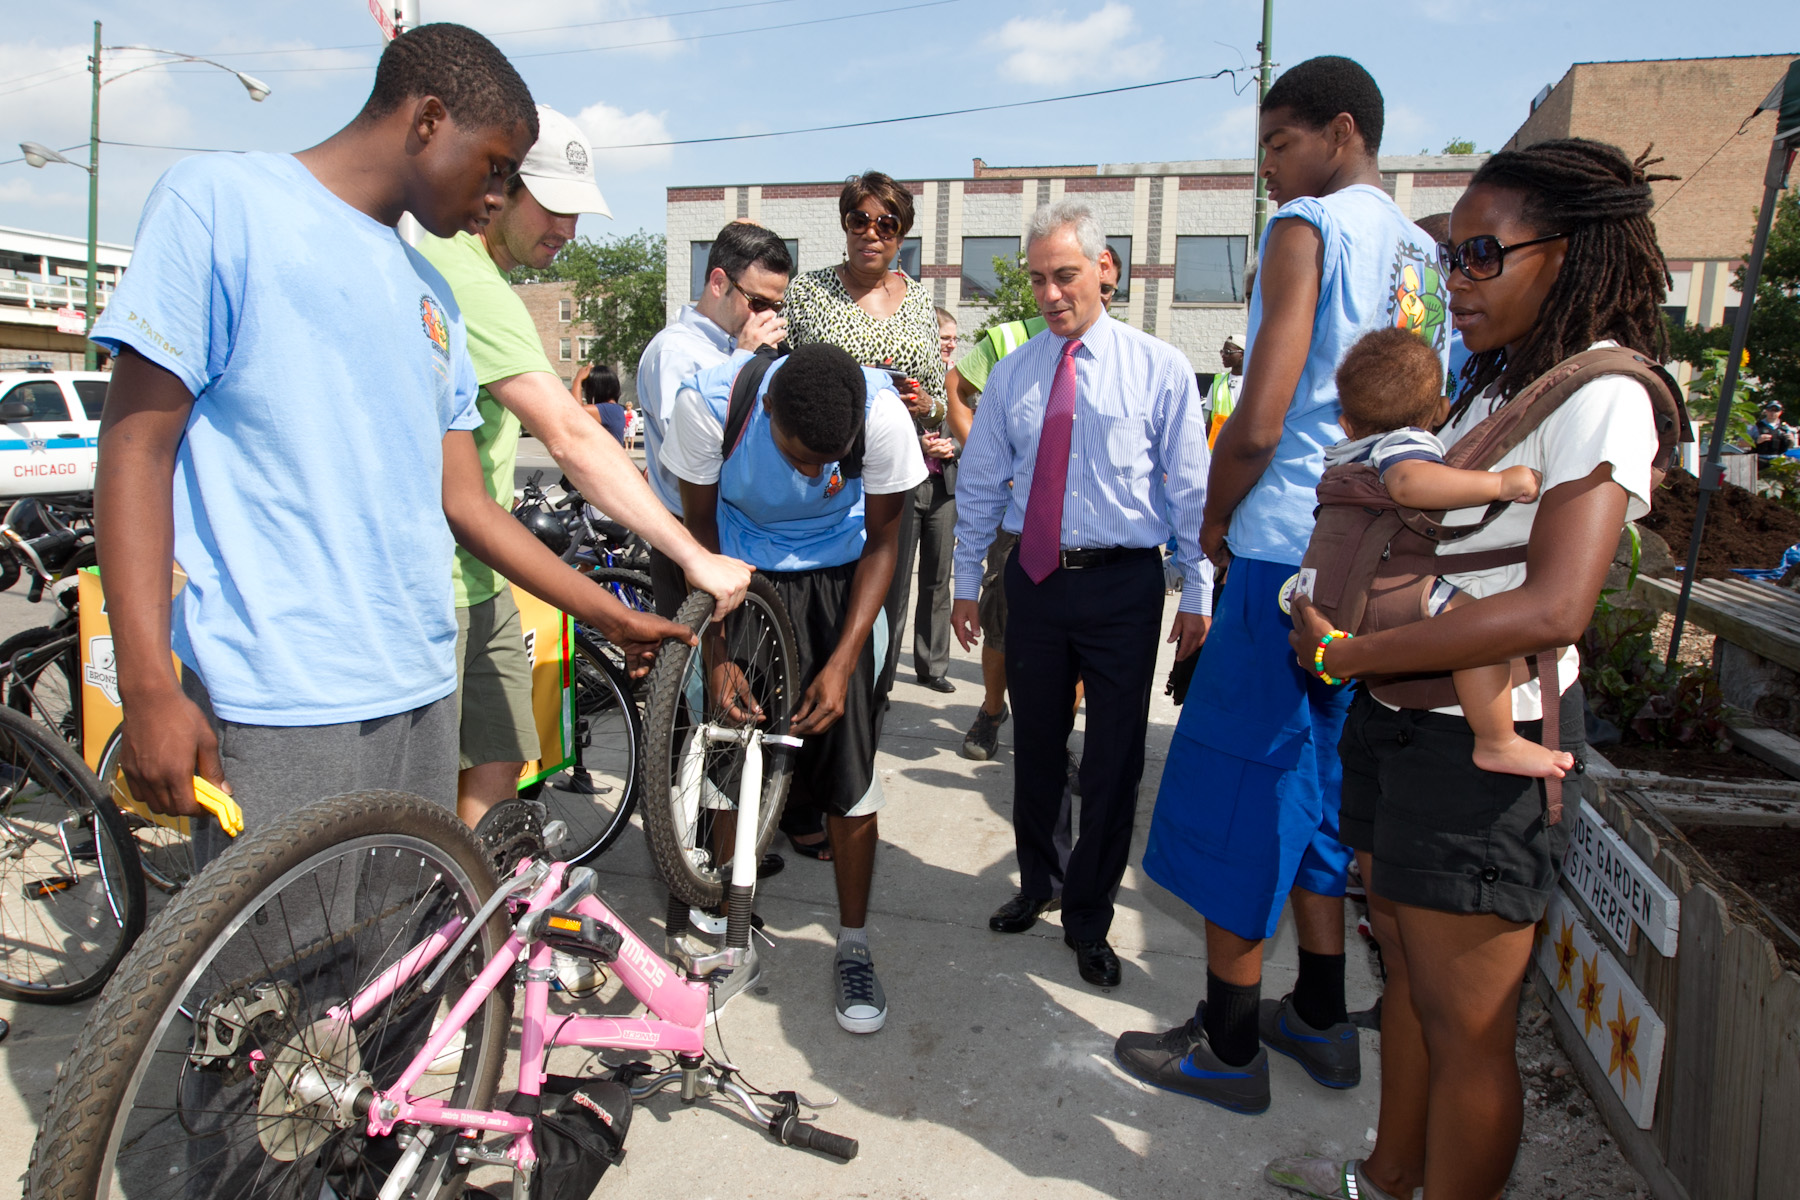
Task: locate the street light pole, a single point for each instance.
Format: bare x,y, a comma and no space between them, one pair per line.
1266,46
92,358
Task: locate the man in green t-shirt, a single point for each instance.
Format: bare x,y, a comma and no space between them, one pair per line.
554,185
963,387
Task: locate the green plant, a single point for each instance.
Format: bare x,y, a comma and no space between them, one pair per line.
1012,299
618,285
1628,683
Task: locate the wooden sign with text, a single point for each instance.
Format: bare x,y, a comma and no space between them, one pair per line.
1616,884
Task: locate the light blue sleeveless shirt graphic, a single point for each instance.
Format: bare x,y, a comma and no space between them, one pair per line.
1379,270
770,515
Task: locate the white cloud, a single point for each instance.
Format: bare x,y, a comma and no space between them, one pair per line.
1050,49
609,126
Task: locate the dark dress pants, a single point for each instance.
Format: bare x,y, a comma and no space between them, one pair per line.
935,510
1099,625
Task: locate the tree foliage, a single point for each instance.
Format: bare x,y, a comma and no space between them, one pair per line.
619,285
1012,299
1773,346
1459,146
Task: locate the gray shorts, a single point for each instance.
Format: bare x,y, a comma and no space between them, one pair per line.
992,605
493,680
275,769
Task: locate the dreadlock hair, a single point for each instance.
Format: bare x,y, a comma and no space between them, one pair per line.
478,86
1613,277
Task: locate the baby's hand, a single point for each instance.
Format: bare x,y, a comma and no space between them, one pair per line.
1520,484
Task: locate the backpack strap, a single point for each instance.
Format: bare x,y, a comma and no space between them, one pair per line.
744,387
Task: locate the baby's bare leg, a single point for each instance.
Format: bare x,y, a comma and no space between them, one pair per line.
1485,694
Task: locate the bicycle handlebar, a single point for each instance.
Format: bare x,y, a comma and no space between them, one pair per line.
791,1131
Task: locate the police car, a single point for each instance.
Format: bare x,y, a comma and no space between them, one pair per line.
49,429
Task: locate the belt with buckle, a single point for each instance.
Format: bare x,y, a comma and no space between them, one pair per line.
1104,556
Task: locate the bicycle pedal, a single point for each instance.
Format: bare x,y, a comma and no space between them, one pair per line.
582,937
43,889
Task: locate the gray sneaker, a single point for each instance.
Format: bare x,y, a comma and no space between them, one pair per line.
740,980
1323,1178
983,739
861,1004
1333,1057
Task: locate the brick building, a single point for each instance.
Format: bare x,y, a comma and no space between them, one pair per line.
1183,228
1690,109
552,309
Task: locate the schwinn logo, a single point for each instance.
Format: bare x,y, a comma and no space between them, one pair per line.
647,964
587,1102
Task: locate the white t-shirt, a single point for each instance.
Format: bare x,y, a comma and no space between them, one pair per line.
1384,450
1608,421
892,460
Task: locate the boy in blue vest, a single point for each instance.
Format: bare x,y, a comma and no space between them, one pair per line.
792,502
1248,812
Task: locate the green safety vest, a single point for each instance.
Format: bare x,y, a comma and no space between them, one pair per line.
1004,339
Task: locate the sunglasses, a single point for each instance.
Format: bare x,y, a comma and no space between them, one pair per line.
858,221
1483,257
759,304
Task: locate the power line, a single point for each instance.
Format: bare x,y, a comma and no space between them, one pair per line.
1729,138
696,37
954,112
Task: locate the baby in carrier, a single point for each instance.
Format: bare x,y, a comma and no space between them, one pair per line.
1390,385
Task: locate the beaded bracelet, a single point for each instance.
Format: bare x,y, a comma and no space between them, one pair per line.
1319,654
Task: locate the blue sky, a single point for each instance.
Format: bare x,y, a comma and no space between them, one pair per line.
1448,68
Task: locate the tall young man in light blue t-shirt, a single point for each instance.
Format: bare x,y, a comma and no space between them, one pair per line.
1247,816
289,419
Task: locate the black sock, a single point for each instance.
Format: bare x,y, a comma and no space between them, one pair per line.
1319,992
1231,1019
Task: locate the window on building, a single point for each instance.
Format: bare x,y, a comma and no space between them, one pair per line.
793,247
565,310
1121,248
1677,313
979,280
563,350
1209,270
584,348
907,261
697,252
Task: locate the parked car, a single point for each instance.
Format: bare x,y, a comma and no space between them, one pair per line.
49,429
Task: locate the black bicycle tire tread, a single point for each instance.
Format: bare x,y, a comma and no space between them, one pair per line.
659,711
75,1119
634,719
105,814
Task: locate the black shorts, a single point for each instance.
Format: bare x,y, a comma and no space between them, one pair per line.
834,771
1444,834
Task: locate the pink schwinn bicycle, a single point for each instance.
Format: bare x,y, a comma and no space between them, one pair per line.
324,1013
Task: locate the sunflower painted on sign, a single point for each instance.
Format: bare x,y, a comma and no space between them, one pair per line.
1624,1044
1565,957
1593,991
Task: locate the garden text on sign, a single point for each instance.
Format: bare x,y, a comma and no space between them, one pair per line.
1616,884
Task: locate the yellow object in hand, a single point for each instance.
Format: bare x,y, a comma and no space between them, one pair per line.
221,805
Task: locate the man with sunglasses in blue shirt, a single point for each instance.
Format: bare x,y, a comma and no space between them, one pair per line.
739,308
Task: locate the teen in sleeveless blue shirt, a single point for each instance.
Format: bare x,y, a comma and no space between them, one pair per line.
827,536
1248,809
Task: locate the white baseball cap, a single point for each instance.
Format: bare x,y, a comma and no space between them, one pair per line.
559,170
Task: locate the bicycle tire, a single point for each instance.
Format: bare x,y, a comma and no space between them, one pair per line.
46,683
69,911
165,851
633,588
602,790
136,1038
672,752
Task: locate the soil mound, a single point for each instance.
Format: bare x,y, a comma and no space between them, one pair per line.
1742,528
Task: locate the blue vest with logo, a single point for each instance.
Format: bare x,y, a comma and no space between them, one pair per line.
770,515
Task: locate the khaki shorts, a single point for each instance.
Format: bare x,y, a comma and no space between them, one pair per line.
992,605
493,684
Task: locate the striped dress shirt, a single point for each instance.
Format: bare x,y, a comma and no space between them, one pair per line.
1138,457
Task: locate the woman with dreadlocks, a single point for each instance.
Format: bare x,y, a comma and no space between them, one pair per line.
1551,252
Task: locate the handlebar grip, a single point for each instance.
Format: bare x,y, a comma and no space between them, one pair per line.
812,1138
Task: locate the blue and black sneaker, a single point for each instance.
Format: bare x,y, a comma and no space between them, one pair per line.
1333,1056
1182,1060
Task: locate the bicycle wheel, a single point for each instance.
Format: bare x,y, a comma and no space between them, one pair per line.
598,795
260,1095
71,893
43,679
631,587
690,778
164,846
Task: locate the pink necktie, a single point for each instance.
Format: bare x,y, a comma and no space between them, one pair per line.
1040,541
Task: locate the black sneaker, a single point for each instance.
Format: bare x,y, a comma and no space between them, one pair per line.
1182,1061
983,738
1333,1057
